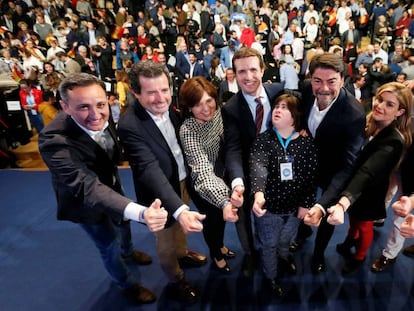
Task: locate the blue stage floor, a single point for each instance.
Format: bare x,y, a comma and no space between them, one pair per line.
49,265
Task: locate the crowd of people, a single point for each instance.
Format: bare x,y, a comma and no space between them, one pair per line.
266,114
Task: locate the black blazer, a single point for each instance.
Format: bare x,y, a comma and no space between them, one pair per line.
223,89
182,65
338,139
369,185
240,131
365,92
153,165
84,177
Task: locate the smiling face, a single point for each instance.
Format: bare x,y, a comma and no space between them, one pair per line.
386,109
249,74
326,85
204,110
88,106
155,95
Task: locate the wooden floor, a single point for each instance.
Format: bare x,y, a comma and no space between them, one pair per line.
28,156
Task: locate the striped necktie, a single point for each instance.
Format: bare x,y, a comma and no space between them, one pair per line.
259,115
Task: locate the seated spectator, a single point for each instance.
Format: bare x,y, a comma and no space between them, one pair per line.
115,107
125,53
51,52
70,65
29,60
50,78
47,108
30,99
122,87
150,54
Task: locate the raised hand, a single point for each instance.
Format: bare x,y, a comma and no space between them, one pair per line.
230,213
403,206
313,217
191,221
237,196
258,204
155,216
407,227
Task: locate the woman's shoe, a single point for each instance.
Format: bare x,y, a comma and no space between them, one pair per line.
225,269
352,265
228,254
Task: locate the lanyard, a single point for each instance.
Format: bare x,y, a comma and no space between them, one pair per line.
287,141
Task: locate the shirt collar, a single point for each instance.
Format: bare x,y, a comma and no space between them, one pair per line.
91,133
251,98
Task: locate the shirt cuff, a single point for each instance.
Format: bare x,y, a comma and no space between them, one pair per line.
321,208
237,182
134,211
180,210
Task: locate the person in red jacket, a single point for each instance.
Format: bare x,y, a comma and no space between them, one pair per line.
30,99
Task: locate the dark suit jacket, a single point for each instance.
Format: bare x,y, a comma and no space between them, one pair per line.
240,131
338,139
85,35
365,92
153,165
84,177
369,185
223,88
182,65
357,38
200,71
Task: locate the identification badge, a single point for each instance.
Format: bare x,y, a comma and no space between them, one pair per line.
286,171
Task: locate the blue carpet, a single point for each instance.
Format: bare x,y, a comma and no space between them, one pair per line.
51,265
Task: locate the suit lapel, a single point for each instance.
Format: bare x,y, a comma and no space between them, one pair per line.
82,137
151,128
246,115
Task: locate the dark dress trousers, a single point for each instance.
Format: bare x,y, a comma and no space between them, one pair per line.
239,134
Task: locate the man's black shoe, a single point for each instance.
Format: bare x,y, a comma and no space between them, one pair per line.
182,291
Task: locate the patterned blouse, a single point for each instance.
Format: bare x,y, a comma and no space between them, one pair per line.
202,146
283,197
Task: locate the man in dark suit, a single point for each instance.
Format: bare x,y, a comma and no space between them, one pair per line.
148,130
357,87
240,129
336,121
196,68
81,150
182,61
91,34
228,86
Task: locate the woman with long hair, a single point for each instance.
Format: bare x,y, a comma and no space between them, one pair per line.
388,135
122,87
